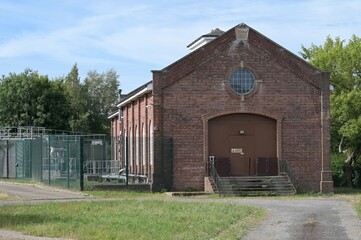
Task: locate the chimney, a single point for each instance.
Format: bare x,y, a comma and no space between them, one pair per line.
120,95
204,39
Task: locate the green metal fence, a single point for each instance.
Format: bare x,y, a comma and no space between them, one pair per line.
52,159
63,160
165,156
23,158
60,161
139,153
7,159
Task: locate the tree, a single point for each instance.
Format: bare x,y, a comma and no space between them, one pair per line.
102,89
57,106
30,99
343,61
78,98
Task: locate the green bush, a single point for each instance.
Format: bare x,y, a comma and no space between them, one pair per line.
338,173
356,175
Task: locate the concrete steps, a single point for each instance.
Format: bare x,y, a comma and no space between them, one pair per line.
256,186
213,185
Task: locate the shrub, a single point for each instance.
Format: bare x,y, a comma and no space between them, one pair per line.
338,173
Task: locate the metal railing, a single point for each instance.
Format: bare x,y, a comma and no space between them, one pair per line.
99,167
32,132
213,173
285,167
24,132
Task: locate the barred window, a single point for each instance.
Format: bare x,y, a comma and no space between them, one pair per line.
242,81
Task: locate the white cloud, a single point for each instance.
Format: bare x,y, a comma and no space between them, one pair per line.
96,34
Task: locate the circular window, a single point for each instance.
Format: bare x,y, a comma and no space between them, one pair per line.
242,81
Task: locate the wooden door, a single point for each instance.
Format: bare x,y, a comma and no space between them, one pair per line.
241,155
253,134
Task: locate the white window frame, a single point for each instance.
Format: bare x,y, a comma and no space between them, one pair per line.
151,143
136,145
144,145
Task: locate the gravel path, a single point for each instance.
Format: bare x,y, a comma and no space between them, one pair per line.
38,192
328,218
12,235
307,219
292,219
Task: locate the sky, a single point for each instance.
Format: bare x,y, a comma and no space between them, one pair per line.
134,37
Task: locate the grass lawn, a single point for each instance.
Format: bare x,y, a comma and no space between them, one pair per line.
124,194
132,219
135,215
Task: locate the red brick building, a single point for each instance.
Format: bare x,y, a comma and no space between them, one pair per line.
238,96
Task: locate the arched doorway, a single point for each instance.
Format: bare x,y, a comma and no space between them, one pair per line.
243,144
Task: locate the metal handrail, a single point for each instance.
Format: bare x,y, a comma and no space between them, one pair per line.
285,167
99,167
213,173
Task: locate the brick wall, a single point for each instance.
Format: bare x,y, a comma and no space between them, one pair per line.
194,89
137,120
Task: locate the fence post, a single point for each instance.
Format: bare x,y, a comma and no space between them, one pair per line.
29,160
49,161
81,164
68,159
126,162
7,159
41,160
